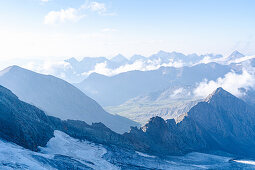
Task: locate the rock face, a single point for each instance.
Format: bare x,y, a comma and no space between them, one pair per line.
222,122
58,98
97,132
30,127
22,123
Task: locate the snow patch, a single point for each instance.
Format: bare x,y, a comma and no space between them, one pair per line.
245,162
82,151
145,155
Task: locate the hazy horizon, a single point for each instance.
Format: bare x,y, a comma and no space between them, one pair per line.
56,30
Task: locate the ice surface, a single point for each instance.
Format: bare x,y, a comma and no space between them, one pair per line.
83,151
65,152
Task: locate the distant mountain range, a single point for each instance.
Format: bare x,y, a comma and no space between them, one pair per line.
115,90
140,95
59,98
74,71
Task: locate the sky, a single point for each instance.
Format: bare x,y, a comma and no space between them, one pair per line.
60,29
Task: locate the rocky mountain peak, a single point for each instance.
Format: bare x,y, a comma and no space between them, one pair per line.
119,59
154,123
235,55
219,94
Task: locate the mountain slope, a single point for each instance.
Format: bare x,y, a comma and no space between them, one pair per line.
168,104
22,123
115,90
234,56
59,98
222,122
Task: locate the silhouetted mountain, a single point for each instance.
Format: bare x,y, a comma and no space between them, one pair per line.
235,55
75,71
30,127
222,122
59,98
119,59
23,123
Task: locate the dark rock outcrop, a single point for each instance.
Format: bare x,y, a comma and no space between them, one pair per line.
97,132
59,98
30,127
23,123
222,122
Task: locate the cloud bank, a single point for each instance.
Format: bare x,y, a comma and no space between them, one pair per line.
232,82
101,68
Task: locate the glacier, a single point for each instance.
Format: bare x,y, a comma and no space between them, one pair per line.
65,152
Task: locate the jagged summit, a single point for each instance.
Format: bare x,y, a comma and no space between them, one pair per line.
235,55
219,93
154,123
119,59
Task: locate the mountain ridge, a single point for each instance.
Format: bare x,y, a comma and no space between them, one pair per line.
59,98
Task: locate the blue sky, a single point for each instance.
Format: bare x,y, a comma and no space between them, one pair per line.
43,29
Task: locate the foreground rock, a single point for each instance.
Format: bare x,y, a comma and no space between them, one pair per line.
58,98
23,123
221,123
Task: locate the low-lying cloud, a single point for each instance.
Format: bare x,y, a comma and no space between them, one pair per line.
232,82
102,68
56,68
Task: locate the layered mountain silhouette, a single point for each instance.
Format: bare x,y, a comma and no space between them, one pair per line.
29,127
168,103
220,123
59,98
77,70
22,123
234,56
115,90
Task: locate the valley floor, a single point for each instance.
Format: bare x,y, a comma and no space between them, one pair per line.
65,152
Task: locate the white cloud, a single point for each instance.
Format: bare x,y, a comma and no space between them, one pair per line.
74,14
109,30
232,82
70,14
56,68
102,68
176,92
97,7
